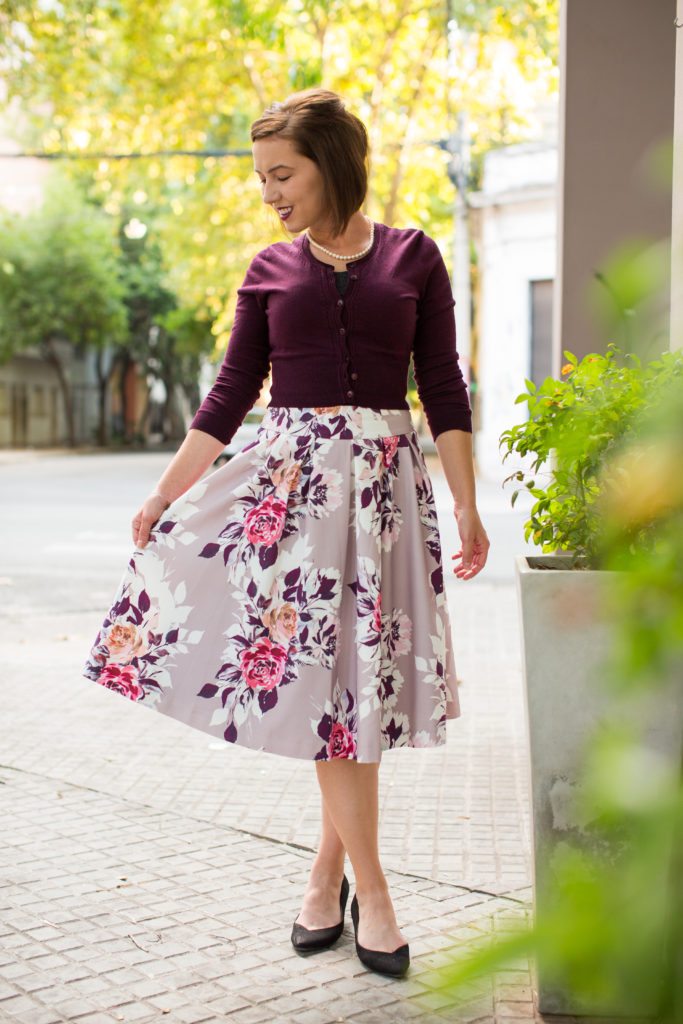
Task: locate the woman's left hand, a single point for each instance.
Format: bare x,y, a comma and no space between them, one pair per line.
475,543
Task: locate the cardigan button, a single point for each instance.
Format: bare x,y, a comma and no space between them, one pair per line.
354,277
349,394
340,302
342,330
354,376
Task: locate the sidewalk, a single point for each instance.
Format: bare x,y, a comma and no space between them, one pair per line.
151,873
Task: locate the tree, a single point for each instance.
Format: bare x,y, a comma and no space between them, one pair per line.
145,76
60,283
165,339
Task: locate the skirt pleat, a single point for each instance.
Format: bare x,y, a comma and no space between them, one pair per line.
293,600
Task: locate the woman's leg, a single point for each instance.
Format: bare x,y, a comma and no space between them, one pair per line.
320,907
350,794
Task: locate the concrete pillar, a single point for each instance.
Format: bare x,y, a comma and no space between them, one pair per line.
617,75
677,215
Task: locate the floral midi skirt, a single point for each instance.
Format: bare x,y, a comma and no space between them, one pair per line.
293,599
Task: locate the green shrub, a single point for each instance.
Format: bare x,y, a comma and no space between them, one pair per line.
575,424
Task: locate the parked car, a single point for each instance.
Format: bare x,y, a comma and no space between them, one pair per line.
245,433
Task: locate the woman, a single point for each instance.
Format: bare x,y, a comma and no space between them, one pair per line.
292,600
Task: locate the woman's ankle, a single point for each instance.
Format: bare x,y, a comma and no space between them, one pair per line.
325,873
372,890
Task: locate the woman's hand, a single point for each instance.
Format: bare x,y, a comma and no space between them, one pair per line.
475,543
152,509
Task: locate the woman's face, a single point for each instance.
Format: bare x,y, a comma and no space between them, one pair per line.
289,179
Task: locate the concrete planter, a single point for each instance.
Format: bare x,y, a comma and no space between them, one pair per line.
565,640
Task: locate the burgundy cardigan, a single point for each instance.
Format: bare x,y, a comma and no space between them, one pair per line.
327,350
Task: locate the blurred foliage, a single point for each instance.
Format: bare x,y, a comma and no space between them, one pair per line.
577,424
614,935
59,275
610,934
70,273
166,340
117,76
625,299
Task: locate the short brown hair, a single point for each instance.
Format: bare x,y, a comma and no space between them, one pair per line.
322,129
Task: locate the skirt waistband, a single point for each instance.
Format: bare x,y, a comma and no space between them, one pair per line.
343,422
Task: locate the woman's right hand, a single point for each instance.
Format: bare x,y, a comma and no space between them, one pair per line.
151,510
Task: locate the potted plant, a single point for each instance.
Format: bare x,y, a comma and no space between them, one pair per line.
576,427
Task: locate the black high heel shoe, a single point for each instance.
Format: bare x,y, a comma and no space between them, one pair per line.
310,940
395,963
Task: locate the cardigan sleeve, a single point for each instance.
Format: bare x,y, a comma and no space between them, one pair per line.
245,364
440,383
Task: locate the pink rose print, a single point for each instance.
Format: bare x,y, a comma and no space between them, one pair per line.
281,623
264,524
125,642
263,664
341,743
389,446
123,679
377,614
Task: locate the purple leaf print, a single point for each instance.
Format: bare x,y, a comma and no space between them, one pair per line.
387,686
167,526
172,636
267,556
230,733
325,727
208,690
437,580
292,577
267,699
326,589
209,550
394,731
144,603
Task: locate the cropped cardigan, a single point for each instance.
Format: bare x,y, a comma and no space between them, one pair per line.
325,349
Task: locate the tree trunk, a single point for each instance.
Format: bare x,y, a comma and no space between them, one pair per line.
172,420
52,357
142,423
124,363
102,385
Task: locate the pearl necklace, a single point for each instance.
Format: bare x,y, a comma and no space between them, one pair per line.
343,258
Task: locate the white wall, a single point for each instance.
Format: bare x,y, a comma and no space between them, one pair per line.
517,244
